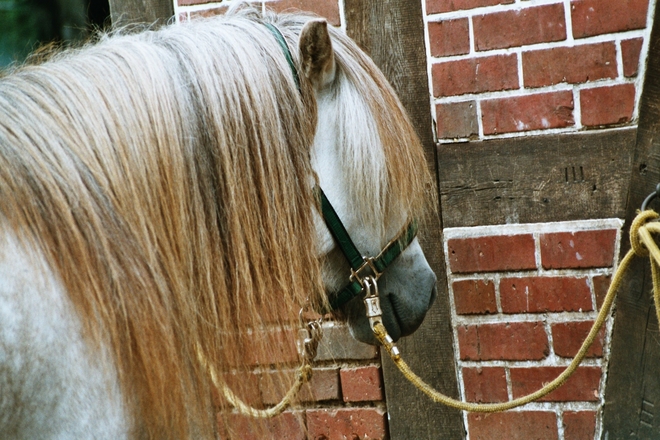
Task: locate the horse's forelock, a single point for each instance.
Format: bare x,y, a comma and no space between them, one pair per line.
165,177
380,148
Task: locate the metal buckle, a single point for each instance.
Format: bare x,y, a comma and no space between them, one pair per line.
372,301
368,264
309,335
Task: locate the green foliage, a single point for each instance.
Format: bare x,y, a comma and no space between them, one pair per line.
24,24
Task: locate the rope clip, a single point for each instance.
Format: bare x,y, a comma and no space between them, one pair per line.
375,313
309,336
372,301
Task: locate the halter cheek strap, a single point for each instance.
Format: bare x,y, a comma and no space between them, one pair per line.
361,266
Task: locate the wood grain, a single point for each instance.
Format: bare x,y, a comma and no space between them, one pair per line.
536,179
392,32
632,394
123,12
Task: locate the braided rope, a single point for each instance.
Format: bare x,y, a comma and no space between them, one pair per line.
642,245
303,375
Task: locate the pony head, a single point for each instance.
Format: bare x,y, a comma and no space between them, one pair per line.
370,164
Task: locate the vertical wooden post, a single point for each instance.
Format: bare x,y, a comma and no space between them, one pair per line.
392,32
632,396
123,12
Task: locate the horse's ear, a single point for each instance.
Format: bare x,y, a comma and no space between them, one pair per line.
318,59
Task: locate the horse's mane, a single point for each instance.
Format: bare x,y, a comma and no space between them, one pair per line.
166,178
391,180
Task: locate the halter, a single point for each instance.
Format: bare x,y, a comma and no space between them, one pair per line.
362,267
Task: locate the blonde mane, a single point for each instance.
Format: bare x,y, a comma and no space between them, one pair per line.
379,146
166,178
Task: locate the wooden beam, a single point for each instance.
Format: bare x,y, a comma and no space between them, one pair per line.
632,394
123,12
392,32
536,178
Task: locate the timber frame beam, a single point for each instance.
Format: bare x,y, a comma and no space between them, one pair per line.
124,12
632,394
392,33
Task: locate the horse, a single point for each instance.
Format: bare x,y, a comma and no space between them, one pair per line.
157,203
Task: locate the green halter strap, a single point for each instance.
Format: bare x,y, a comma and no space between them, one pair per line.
361,266
285,48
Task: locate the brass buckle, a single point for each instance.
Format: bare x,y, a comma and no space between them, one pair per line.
368,264
372,301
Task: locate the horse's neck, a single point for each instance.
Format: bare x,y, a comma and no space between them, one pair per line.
52,385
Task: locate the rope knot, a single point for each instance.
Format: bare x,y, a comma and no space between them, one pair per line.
642,218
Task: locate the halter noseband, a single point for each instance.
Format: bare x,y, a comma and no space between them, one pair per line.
361,266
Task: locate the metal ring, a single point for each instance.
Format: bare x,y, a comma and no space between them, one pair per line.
650,197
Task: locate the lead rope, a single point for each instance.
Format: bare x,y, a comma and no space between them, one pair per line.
641,229
642,244
309,338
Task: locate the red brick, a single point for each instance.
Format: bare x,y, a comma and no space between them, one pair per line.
475,75
457,120
439,6
607,105
601,285
595,17
211,12
578,64
581,386
529,112
286,426
328,9
449,37
545,294
245,386
519,27
346,423
193,2
506,341
567,338
474,297
486,384
579,425
361,384
323,386
630,51
513,425
272,347
577,250
492,253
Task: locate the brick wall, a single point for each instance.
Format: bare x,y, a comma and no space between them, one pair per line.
512,67
523,299
345,398
330,9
